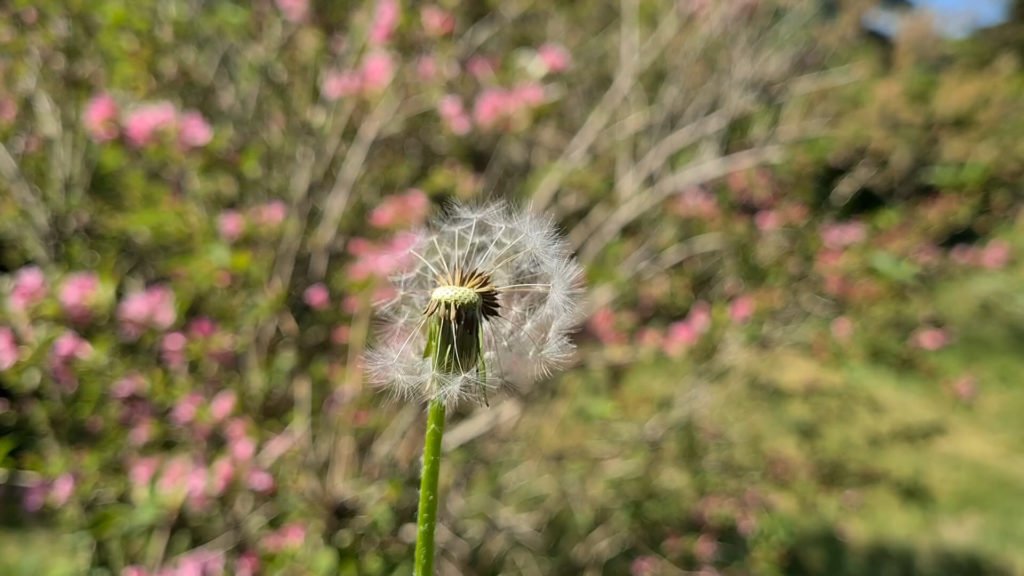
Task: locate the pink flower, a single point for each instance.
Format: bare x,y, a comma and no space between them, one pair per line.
34,496
700,316
242,448
490,107
966,388
193,130
436,21
338,84
401,210
230,225
426,68
741,309
385,22
379,260
134,570
260,480
174,476
317,296
555,57
768,220
61,490
128,386
481,67
248,564
650,338
8,348
29,289
172,350
995,255
679,336
454,115
963,254
706,548
142,471
377,71
930,339
78,295
222,405
695,202
70,346
221,473
528,95
496,106
271,214
151,308
644,566
602,325
8,111
842,328
67,348
186,408
287,537
195,485
293,10
143,123
839,235
100,118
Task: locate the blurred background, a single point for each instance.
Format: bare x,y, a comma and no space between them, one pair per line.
800,222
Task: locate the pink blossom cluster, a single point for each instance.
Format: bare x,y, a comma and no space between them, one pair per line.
995,255
603,326
232,224
288,537
842,329
28,289
385,22
194,563
774,218
149,308
68,348
930,338
56,493
555,58
965,388
79,296
188,477
293,10
406,210
100,118
317,296
695,202
9,354
142,125
379,260
436,21
374,74
685,333
454,115
839,235
742,309
499,107
269,214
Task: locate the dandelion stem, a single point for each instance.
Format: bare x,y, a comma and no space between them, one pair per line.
426,519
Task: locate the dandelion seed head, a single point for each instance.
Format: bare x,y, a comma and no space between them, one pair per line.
506,276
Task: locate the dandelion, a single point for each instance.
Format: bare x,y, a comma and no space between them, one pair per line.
489,298
497,292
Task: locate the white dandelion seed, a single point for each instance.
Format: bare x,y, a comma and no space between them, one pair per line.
490,298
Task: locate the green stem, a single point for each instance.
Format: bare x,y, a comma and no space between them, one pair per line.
427,517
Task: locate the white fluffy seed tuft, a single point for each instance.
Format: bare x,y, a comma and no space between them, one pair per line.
539,286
